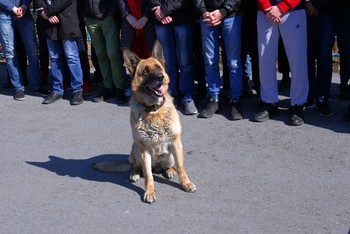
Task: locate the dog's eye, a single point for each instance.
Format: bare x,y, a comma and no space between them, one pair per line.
159,68
145,70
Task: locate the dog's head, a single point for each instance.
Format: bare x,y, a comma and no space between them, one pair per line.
149,80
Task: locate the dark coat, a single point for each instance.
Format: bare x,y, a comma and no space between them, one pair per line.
228,8
100,9
67,13
182,11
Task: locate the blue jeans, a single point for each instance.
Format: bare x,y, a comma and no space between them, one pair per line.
177,44
230,31
326,31
60,51
26,29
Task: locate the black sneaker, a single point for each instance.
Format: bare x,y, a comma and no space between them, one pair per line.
297,117
104,95
52,98
346,115
19,95
77,98
211,108
236,112
323,108
270,110
121,97
42,92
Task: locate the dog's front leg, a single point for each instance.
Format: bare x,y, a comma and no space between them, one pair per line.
177,150
150,193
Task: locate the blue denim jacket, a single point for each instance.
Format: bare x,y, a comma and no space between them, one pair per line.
7,5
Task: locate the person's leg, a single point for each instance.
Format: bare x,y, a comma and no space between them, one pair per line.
326,31
98,42
268,35
111,32
184,47
7,41
57,65
26,28
293,31
311,58
343,40
71,52
210,48
231,34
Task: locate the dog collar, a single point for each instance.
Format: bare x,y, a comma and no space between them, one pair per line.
153,107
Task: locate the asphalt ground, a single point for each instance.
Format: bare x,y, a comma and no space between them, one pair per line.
251,177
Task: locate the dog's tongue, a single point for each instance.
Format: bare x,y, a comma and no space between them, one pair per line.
159,88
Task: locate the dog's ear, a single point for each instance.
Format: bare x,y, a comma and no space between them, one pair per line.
157,52
130,60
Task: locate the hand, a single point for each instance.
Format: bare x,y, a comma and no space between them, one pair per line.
17,11
166,20
141,22
54,20
132,20
274,14
158,13
215,17
310,9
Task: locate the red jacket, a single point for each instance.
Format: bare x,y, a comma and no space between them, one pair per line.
284,5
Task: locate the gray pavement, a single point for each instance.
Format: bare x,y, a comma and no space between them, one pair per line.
250,177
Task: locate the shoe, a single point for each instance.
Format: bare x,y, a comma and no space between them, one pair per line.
297,117
310,104
52,98
42,92
236,112
104,95
211,108
346,115
190,108
344,93
285,83
19,95
269,111
247,92
323,108
121,97
77,98
86,89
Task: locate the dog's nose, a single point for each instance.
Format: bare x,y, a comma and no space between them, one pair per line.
159,77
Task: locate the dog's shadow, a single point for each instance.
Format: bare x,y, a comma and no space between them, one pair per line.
81,168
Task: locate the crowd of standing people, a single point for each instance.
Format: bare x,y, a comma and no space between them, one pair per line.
246,37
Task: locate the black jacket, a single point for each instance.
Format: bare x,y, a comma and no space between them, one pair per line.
100,9
331,7
182,11
66,12
228,8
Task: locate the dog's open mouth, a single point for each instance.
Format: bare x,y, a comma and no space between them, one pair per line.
156,91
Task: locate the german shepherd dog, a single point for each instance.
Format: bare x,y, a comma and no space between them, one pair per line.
155,125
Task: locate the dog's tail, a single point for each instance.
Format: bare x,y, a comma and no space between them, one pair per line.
121,166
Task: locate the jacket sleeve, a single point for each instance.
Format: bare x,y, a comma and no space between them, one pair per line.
7,5
56,7
230,6
200,6
123,8
284,5
168,6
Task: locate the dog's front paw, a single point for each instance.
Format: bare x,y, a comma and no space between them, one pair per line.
149,196
189,187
